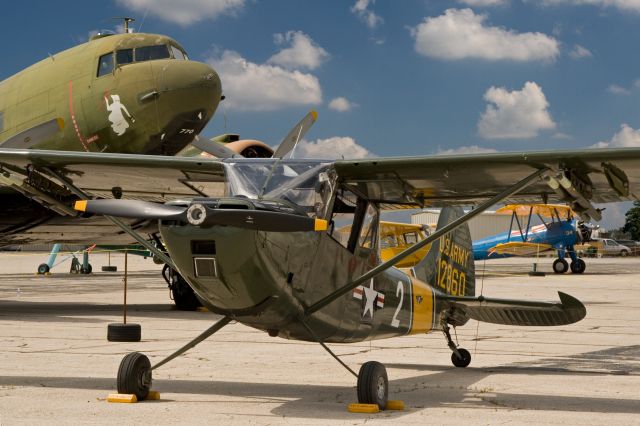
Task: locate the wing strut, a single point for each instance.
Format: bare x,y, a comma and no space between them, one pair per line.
439,233
120,224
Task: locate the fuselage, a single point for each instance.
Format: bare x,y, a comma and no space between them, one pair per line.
129,93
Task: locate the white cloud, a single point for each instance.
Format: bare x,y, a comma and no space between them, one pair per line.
515,115
625,138
362,11
302,51
579,52
332,148
618,90
185,12
341,104
472,149
262,87
484,3
461,34
625,5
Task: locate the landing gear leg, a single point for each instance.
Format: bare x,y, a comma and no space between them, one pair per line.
460,357
373,384
134,374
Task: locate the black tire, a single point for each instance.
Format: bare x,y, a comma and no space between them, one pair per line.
373,385
461,362
118,332
560,266
108,268
134,375
578,266
86,270
183,295
43,268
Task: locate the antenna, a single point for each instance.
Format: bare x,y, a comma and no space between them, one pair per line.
126,20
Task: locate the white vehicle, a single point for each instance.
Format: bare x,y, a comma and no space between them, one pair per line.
613,248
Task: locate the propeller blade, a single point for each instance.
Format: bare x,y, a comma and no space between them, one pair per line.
35,134
131,208
261,220
293,137
214,148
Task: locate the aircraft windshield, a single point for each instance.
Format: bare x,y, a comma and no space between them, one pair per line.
294,181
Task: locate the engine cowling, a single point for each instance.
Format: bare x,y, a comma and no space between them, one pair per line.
251,148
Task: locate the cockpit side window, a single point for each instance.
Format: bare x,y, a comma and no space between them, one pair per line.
177,53
150,53
124,56
105,64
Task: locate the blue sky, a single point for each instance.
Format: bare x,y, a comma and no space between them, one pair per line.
387,77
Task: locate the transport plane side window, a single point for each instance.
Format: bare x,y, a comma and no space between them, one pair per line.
105,64
177,53
124,56
150,53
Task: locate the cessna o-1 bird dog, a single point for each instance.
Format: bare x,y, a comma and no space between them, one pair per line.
256,241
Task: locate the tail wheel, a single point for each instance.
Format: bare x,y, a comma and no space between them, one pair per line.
134,375
560,266
373,385
463,360
578,266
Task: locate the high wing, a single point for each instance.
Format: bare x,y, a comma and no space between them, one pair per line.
583,176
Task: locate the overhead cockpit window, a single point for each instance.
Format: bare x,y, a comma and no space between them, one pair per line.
105,64
150,53
124,56
177,53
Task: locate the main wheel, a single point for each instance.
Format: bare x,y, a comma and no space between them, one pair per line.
118,332
373,385
183,295
464,360
134,375
578,266
43,268
560,266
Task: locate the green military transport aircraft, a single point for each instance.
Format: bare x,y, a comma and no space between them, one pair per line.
257,241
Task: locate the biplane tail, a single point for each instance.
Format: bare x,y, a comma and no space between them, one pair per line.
448,266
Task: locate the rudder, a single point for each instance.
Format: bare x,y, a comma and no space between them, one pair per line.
449,266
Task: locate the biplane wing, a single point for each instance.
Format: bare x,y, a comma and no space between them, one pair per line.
520,248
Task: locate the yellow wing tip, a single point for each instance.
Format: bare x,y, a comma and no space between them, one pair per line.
320,225
314,114
80,205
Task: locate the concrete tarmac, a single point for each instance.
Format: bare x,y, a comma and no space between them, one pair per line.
56,366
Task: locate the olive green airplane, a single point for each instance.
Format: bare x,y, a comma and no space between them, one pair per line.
257,238
116,93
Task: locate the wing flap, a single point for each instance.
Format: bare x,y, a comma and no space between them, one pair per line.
520,312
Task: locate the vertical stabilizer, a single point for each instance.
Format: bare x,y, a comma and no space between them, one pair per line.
448,266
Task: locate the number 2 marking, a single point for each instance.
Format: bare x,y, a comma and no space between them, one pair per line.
395,322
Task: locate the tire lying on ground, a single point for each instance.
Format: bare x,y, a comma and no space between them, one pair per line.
119,332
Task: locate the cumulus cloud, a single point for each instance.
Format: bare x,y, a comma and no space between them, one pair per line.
461,34
332,148
618,90
361,10
341,104
627,137
472,149
515,115
484,3
579,52
262,87
625,5
301,51
185,12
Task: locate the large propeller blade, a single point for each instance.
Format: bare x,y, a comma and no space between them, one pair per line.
293,137
199,215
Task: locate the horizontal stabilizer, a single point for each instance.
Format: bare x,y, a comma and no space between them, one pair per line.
520,312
